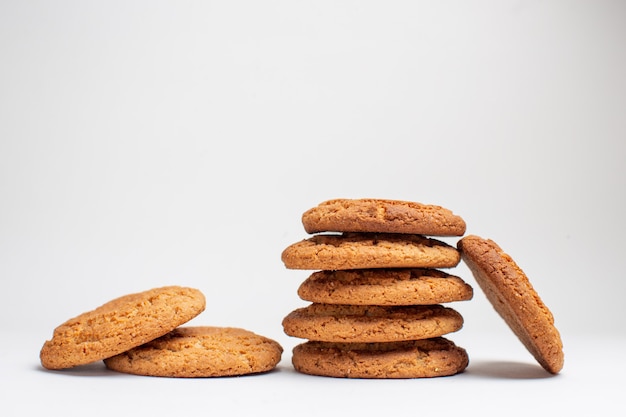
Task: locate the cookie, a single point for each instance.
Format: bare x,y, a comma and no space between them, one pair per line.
424,358
382,216
514,298
367,324
369,250
119,325
203,351
384,287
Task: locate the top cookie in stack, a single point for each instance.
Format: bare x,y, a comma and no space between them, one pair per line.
376,296
382,216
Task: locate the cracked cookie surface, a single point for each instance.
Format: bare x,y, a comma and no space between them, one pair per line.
398,286
120,324
369,250
382,216
512,295
200,351
352,323
424,358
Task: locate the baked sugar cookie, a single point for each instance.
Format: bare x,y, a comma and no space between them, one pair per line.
119,325
367,324
424,358
509,290
369,250
188,352
382,216
382,286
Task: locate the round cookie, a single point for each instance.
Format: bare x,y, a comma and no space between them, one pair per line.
396,286
368,324
382,216
119,325
188,352
424,358
369,250
513,297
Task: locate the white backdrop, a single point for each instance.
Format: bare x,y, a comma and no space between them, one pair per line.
154,143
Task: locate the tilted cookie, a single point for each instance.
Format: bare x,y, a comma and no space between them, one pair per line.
424,358
367,324
119,325
382,216
369,250
202,351
397,286
509,290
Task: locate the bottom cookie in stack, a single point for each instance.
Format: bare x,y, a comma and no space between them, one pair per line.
423,358
388,323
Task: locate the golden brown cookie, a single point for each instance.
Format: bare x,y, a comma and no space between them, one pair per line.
396,286
369,250
368,324
188,352
119,325
513,297
382,216
410,359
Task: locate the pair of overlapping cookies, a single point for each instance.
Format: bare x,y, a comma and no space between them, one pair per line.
377,292
141,334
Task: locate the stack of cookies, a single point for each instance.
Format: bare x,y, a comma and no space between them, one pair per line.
377,291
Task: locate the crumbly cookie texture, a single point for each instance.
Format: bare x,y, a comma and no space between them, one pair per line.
119,325
424,358
367,324
383,286
369,250
201,351
510,292
382,216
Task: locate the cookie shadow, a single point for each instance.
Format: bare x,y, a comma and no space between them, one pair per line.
91,369
99,369
507,370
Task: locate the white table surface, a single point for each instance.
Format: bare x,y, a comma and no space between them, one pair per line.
502,379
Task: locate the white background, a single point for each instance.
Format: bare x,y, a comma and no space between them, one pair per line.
150,143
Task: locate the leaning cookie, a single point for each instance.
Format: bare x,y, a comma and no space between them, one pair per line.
119,325
507,287
369,250
382,216
424,358
396,286
368,324
191,352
